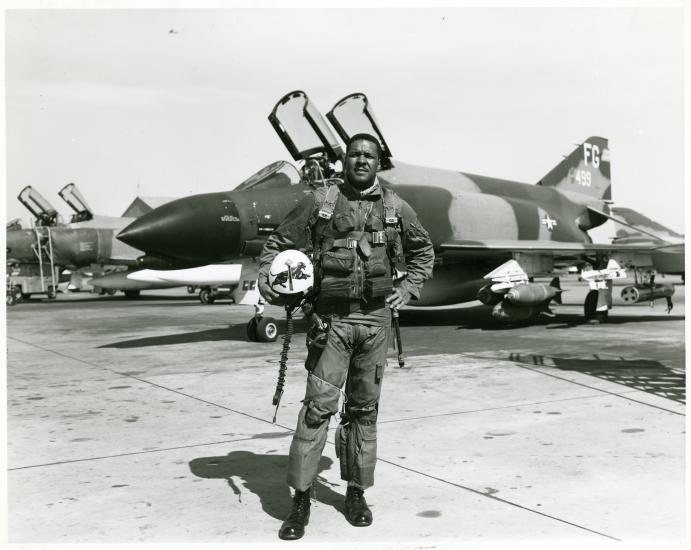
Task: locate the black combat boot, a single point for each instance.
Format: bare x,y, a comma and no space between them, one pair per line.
294,527
356,510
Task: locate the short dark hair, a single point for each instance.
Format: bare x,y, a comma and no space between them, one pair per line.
366,137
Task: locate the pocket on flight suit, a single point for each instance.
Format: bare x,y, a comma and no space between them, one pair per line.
305,435
341,444
338,261
367,458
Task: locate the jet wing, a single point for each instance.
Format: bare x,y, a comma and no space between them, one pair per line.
666,258
555,248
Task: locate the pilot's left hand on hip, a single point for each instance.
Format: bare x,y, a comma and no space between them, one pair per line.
398,298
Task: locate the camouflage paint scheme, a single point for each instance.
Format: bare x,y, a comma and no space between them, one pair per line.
476,223
75,245
86,240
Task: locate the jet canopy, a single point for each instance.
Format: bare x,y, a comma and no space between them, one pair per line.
303,129
276,175
41,209
76,201
353,115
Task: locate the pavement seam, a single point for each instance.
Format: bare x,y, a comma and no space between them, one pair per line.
593,396
504,501
291,431
131,453
132,377
524,366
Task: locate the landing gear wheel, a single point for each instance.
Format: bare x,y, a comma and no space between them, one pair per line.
206,296
190,289
131,294
267,330
252,329
590,309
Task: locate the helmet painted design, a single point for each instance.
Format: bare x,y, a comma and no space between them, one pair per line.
291,273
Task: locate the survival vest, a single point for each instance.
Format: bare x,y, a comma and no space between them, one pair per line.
354,251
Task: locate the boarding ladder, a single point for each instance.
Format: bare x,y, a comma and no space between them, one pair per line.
44,246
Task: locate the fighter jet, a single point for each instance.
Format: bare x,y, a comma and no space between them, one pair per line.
89,239
490,235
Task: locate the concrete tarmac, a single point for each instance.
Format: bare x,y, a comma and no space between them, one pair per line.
150,421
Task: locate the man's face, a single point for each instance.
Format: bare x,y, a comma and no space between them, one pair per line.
361,163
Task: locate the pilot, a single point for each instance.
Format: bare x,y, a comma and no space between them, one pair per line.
357,233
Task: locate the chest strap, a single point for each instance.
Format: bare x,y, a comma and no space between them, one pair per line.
374,237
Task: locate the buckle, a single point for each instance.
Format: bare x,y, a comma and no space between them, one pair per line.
325,214
351,243
378,237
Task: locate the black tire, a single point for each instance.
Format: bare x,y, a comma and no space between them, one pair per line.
112,292
131,294
206,296
590,308
267,330
26,296
190,289
252,329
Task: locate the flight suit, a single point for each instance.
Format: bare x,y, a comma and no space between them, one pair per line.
352,238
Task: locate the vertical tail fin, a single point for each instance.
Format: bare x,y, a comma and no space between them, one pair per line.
586,170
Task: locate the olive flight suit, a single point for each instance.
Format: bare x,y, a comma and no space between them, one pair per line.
354,237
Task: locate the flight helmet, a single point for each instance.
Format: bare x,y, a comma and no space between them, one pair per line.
291,272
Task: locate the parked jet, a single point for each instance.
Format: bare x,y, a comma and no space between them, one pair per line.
88,239
477,223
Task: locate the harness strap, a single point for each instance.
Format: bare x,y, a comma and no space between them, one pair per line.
327,208
374,237
390,214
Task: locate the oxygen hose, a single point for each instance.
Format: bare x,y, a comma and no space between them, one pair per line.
284,359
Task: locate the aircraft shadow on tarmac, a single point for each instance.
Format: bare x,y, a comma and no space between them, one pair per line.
233,332
642,374
264,475
479,318
476,318
151,300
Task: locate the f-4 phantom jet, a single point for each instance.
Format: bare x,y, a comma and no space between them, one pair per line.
491,236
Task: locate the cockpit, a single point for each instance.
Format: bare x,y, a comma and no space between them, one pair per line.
312,142
276,175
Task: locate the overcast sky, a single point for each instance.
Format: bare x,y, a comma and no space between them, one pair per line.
173,102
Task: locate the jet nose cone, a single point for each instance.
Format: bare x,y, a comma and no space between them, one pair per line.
198,228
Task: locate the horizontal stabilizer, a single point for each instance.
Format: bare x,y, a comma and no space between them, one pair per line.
640,228
622,221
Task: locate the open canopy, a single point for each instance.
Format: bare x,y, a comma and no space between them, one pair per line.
303,129
353,115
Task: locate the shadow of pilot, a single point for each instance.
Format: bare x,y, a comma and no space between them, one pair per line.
261,474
